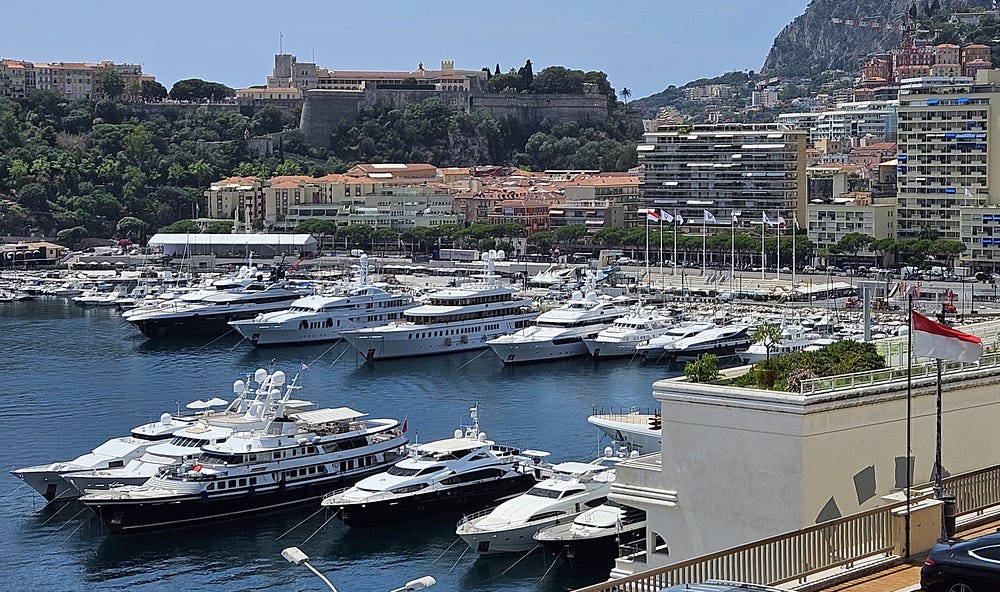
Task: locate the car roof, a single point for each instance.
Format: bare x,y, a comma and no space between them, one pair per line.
992,538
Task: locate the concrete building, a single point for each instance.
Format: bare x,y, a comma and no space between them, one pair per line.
226,197
948,154
620,190
740,464
399,207
532,215
592,214
288,72
847,120
828,223
395,172
76,80
751,168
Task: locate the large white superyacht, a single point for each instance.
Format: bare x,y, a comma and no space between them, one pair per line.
317,317
627,332
454,319
559,333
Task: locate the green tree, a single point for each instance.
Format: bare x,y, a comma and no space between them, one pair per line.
704,369
543,241
112,84
219,227
151,90
625,94
769,336
72,236
131,227
559,80
266,121
182,227
194,89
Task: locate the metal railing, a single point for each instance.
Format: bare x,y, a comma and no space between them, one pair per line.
827,384
840,543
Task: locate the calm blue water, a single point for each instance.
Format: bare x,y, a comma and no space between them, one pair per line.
74,377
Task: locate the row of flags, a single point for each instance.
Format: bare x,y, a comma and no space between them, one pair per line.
709,217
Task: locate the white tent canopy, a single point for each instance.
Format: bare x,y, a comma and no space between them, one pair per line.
237,245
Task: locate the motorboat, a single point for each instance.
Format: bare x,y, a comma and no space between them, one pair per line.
559,333
249,410
209,315
633,429
794,338
296,458
720,341
460,318
317,317
653,347
595,535
508,528
622,337
440,476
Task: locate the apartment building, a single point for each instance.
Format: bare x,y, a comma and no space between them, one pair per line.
946,154
847,120
227,198
399,207
828,223
752,168
621,191
533,215
592,214
76,80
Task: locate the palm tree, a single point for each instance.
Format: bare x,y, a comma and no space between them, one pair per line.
625,94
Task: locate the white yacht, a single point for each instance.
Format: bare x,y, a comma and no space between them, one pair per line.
295,458
208,315
248,411
652,349
633,429
595,535
318,317
794,338
721,341
622,337
574,488
559,333
452,320
440,476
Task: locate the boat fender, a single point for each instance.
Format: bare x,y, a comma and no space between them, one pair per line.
465,339
447,341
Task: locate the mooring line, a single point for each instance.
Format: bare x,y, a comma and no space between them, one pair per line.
282,535
321,527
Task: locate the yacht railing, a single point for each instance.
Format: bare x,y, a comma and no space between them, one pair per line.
838,547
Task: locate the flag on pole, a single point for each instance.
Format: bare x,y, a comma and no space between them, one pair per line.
781,221
652,216
678,218
404,424
795,221
934,340
709,217
665,216
305,366
766,220
736,214
968,193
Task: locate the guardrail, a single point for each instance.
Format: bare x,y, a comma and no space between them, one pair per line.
839,543
886,375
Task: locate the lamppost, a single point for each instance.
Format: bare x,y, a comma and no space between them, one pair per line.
295,556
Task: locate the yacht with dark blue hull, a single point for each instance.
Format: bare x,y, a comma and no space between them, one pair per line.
295,458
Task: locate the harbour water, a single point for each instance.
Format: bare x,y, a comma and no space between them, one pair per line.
74,377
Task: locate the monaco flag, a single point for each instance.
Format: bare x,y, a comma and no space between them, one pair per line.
934,340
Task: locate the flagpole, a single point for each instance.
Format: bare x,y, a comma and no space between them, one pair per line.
704,236
938,485
647,248
763,231
675,243
661,249
909,409
795,226
777,264
732,257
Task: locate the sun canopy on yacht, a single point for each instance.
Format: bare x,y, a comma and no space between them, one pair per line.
328,415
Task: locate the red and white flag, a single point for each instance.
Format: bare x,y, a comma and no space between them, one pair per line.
934,340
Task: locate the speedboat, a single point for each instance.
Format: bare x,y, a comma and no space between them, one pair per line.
460,318
209,315
653,348
794,338
574,488
724,340
296,458
622,337
595,535
559,333
440,476
318,317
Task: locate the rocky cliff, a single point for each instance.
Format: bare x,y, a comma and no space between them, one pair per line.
813,43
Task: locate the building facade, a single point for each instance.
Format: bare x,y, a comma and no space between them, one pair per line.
750,168
76,80
848,120
621,191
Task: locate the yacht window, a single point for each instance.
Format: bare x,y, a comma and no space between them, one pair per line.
544,515
570,492
410,488
399,471
243,482
543,492
210,487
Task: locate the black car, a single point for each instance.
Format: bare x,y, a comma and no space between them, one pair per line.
720,586
963,566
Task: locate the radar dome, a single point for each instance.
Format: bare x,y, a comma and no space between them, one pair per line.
259,375
278,378
165,419
609,451
274,395
482,436
458,434
633,454
501,255
239,386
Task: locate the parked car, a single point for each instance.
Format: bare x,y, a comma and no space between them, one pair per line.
963,566
720,586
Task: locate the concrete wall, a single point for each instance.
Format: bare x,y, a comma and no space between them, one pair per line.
323,110
534,108
748,464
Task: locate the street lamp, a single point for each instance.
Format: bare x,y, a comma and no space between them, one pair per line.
295,556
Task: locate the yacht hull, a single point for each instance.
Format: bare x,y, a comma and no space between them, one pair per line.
198,325
437,502
517,539
426,340
125,514
631,430
264,337
48,483
597,551
610,349
522,352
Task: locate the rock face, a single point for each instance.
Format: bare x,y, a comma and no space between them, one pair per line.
813,43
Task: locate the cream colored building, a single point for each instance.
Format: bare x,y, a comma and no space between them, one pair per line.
828,223
398,207
619,190
948,151
288,72
230,197
741,464
76,80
